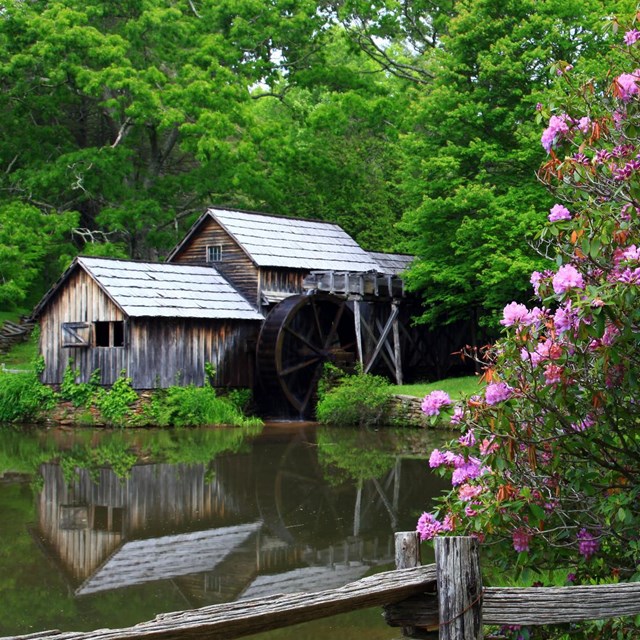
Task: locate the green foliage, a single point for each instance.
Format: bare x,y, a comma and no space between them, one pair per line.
359,399
241,399
23,398
80,394
115,404
195,406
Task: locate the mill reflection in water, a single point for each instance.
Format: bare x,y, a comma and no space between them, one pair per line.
288,510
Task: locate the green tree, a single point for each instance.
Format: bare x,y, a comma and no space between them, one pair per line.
469,160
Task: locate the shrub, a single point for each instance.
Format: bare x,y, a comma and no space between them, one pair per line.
23,398
115,405
80,394
359,399
548,468
196,406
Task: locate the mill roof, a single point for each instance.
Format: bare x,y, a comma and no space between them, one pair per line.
391,263
147,289
295,243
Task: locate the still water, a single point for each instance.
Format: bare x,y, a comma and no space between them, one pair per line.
107,529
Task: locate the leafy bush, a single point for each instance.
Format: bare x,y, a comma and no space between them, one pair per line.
359,399
196,406
547,471
23,398
115,405
80,394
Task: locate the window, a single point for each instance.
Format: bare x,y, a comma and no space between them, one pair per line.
214,253
108,334
75,334
107,518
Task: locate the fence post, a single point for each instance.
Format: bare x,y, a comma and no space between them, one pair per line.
408,556
459,588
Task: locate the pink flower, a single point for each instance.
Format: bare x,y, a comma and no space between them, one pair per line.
584,124
567,277
626,85
433,402
468,492
469,511
468,439
558,125
428,527
458,414
631,37
436,459
497,392
553,374
488,446
588,544
565,318
521,539
470,470
514,313
447,523
559,212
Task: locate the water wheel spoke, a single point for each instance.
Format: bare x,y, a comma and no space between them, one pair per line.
334,326
300,365
304,340
316,318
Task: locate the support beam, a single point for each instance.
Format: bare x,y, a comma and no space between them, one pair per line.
358,325
382,339
397,358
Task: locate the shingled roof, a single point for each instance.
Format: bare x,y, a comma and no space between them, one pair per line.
294,243
147,289
392,263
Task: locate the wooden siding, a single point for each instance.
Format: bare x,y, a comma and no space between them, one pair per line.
235,265
284,280
166,352
80,299
159,497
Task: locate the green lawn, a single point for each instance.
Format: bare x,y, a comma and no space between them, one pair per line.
24,353
455,387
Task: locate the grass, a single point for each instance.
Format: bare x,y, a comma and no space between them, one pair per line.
22,355
455,387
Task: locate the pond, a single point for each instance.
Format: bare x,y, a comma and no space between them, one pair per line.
108,529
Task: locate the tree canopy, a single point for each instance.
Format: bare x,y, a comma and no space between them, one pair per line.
408,123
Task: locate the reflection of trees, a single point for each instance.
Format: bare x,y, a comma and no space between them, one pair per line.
91,450
354,455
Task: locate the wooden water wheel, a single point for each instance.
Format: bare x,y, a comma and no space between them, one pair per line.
299,335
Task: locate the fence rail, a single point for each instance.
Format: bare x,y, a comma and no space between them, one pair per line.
456,611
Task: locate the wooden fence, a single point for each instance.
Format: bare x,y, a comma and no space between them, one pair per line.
445,600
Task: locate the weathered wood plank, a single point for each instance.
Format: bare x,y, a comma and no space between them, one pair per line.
557,605
238,619
459,588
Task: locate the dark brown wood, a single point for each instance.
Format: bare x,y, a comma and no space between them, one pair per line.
235,264
459,588
299,335
238,619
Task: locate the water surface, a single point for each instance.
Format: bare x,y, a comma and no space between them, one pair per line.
107,529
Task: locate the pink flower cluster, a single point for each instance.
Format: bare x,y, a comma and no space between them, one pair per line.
588,544
567,277
497,392
631,37
429,527
626,85
559,212
434,401
521,539
558,126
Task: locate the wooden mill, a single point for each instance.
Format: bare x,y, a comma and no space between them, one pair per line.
267,300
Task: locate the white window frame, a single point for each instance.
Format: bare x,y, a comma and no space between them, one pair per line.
214,253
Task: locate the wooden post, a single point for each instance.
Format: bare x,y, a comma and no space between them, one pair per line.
358,325
459,588
396,345
408,556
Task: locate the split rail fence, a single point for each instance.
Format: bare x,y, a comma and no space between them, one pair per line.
445,600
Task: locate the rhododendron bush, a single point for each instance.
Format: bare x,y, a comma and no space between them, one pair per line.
547,470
